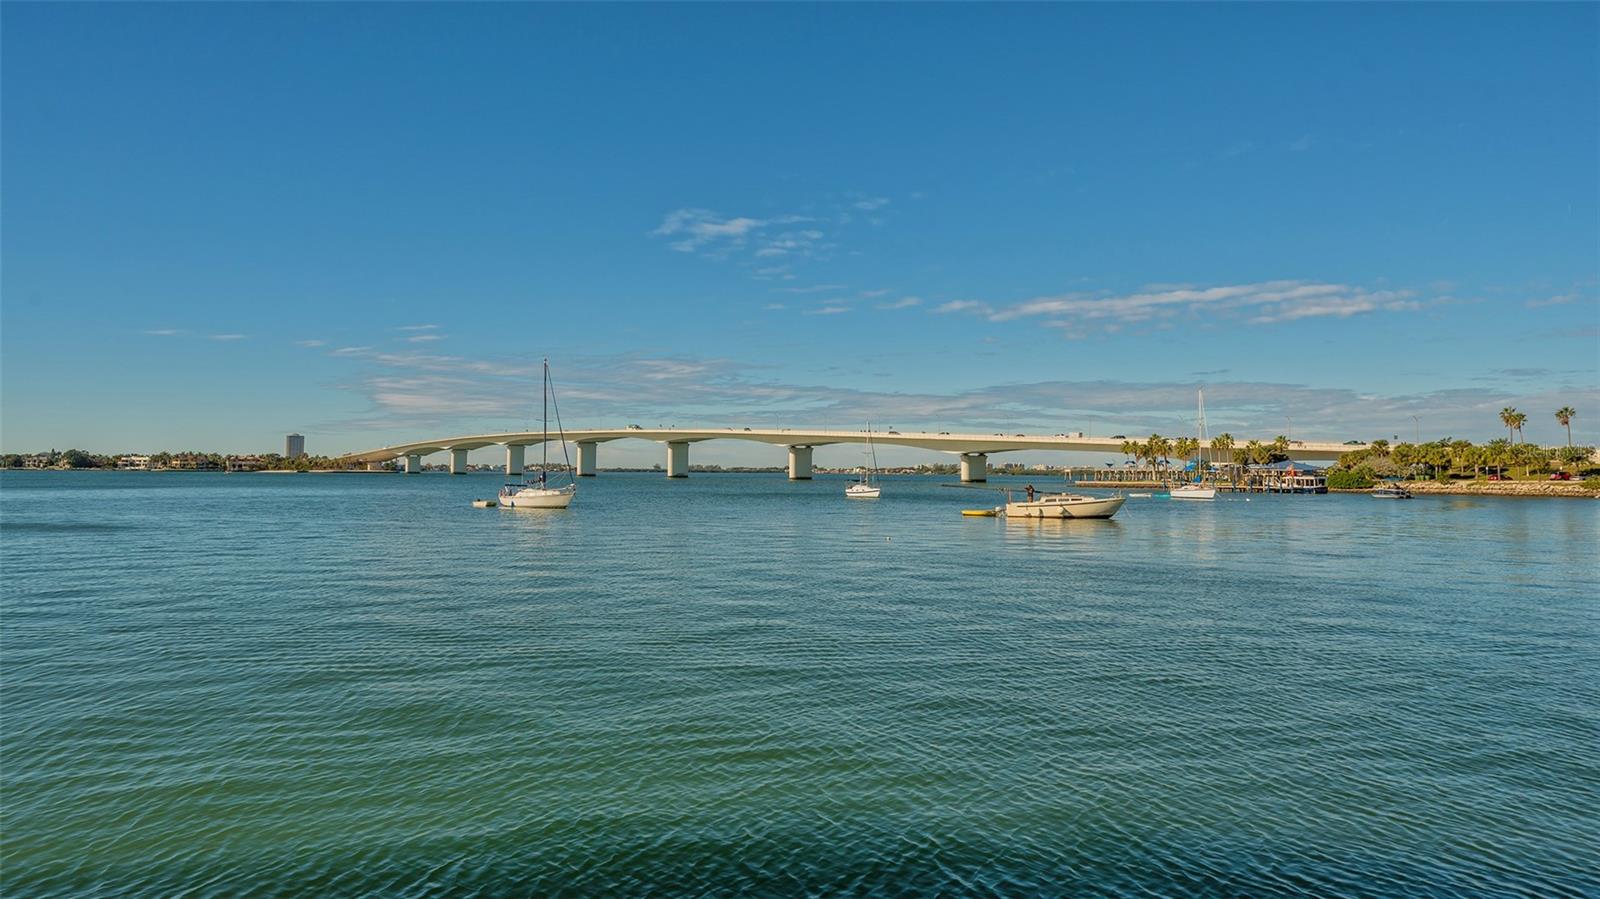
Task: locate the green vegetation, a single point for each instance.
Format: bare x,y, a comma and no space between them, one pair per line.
183,461
1564,415
1351,479
1446,458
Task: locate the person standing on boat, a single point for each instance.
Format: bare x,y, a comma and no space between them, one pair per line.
1030,493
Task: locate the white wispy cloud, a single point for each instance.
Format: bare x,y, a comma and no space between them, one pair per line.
803,242
902,303
782,272
418,328
350,351
815,288
974,306
830,309
870,203
165,332
225,336
426,391
1260,303
709,233
874,294
424,338
311,343
1557,300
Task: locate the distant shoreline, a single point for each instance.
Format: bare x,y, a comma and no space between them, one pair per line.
1558,489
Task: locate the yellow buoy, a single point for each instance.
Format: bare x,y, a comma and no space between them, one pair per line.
981,513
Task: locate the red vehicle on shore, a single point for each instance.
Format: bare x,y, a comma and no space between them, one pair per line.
1561,476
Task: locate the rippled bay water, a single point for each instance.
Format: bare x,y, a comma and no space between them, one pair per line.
333,684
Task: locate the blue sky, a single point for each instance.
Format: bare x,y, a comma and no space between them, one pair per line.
367,223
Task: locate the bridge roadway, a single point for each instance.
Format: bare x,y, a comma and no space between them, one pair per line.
973,449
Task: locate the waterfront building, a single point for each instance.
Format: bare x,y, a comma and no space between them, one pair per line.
245,463
40,460
132,462
1290,477
294,446
192,462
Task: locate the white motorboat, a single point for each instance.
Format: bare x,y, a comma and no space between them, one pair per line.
1193,491
537,493
1065,505
867,487
1391,491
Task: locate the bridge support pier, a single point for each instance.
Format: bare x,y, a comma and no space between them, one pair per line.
678,459
458,461
413,463
974,468
799,463
514,460
588,458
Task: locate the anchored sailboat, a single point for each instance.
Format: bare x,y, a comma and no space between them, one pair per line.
537,492
1198,489
867,487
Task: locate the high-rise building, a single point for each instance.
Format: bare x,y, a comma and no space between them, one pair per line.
294,446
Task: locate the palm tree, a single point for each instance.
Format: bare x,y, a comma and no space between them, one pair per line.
1517,420
1222,443
1564,415
1508,417
1185,447
1160,448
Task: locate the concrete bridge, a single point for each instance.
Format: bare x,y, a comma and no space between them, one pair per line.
973,449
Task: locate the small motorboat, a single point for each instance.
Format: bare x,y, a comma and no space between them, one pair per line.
484,504
1391,491
981,513
862,491
1140,495
1193,491
1065,505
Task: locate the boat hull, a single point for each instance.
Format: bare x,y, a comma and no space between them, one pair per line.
860,492
1193,493
1069,506
539,498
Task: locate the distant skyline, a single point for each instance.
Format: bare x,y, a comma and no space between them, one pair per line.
368,223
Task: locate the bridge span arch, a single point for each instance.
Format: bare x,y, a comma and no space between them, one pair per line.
972,449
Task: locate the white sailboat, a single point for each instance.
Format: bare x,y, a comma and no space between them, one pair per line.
866,488
1064,505
537,492
1198,489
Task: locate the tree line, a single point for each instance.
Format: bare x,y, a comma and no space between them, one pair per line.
1160,451
76,458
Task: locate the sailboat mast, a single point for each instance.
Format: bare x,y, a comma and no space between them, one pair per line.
544,447
873,451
